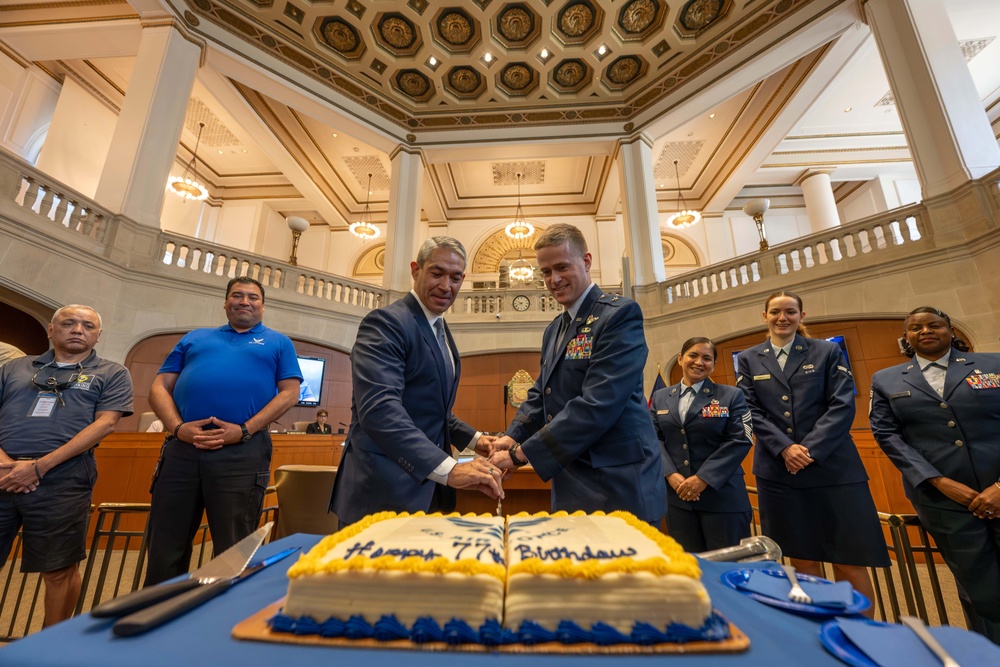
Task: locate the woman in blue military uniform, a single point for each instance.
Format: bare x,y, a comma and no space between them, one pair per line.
812,486
704,429
937,418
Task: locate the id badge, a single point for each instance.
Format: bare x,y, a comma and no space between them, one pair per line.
44,405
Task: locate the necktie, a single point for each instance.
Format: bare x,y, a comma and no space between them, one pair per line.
687,398
782,358
445,352
935,373
563,325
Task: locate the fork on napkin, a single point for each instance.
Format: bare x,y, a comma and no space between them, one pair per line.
892,645
773,584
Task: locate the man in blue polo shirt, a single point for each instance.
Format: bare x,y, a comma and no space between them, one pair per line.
54,409
216,393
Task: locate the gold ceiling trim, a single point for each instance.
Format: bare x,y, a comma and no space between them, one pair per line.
866,149
845,135
837,163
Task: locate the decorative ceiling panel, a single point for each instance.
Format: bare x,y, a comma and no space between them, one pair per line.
439,64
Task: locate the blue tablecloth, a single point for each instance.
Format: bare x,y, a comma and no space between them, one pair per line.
202,637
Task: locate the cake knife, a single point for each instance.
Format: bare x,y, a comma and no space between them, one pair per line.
226,565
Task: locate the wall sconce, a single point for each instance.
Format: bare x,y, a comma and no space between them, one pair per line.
297,225
756,208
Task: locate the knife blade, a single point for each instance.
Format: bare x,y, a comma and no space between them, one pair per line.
226,565
158,614
920,630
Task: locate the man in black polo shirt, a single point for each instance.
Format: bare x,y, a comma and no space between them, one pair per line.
54,409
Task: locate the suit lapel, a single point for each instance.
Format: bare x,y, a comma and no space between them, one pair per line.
430,341
795,356
768,361
959,368
913,376
458,363
674,404
557,352
701,399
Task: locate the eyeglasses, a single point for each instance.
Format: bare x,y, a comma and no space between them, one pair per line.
52,383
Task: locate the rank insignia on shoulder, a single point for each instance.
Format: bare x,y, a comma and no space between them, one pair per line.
615,297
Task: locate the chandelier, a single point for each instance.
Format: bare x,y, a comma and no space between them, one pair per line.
520,269
519,228
363,228
684,217
186,186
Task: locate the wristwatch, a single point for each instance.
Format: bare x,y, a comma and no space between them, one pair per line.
246,433
513,456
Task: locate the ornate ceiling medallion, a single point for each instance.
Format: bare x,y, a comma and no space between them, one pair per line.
397,34
414,84
570,76
576,19
637,15
455,27
517,79
465,82
340,36
516,25
699,14
623,71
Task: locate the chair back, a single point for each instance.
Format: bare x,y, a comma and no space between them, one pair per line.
145,419
300,426
304,500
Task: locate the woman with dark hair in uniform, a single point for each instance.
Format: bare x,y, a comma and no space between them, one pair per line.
319,426
937,418
704,429
812,487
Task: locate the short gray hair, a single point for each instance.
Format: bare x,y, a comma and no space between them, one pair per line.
562,233
433,243
78,306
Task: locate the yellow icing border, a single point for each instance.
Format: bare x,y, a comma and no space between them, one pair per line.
311,563
675,560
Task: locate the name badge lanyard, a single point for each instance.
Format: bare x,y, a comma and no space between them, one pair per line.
50,393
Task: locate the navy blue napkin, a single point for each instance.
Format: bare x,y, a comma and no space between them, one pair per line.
837,595
897,646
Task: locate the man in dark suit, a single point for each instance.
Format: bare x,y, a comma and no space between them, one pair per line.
585,424
937,418
405,369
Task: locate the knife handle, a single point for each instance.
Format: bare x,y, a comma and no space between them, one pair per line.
140,599
157,615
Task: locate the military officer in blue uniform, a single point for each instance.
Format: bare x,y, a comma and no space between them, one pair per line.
705,430
937,418
585,424
812,486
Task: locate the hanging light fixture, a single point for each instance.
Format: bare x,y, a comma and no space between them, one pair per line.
519,228
187,186
363,228
684,217
520,269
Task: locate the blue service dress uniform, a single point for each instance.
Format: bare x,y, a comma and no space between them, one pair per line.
585,423
711,441
402,426
825,512
955,435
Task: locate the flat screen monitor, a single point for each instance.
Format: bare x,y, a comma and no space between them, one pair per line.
839,340
311,389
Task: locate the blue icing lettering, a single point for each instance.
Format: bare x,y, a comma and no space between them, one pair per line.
359,549
527,551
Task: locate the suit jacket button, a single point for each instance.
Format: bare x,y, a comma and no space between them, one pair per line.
684,446
548,391
784,398
686,462
548,417
788,431
683,432
951,424
944,405
959,443
788,414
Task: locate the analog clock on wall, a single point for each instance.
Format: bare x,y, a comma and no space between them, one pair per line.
521,303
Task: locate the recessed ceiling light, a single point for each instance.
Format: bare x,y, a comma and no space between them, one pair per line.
847,110
220,151
544,53
488,57
432,60
334,135
602,49
711,115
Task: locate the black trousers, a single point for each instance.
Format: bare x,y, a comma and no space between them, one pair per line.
227,484
971,548
699,531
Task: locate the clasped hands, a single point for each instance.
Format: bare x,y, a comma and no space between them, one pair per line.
687,488
983,504
796,458
18,476
479,474
220,433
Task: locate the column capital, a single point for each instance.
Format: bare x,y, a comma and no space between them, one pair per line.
809,173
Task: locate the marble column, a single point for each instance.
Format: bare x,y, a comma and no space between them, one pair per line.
821,207
144,145
641,217
401,243
942,114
